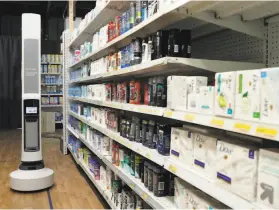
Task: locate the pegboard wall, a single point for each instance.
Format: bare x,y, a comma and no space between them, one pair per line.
229,45
273,44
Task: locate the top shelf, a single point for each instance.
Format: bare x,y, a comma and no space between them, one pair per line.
107,13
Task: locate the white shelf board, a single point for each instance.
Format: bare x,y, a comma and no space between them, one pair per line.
52,94
104,192
51,106
252,128
51,73
208,186
173,65
58,122
144,109
106,14
150,154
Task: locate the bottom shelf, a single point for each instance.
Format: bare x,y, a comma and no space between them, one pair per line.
105,193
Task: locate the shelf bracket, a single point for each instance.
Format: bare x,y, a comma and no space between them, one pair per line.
253,28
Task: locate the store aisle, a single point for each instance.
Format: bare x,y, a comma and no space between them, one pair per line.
71,190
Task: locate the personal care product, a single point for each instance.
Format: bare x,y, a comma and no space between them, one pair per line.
206,100
177,92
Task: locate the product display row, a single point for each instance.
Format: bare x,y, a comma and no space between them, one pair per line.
51,69
153,177
211,155
121,195
175,43
52,100
247,95
51,89
52,79
51,58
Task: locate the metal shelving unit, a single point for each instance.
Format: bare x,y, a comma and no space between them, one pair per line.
242,32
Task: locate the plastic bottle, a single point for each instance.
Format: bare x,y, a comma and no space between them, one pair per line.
144,50
132,14
144,10
138,12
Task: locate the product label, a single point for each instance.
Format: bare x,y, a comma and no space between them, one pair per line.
199,163
251,154
176,48
224,177
173,152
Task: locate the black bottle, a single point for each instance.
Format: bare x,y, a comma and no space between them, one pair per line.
186,43
161,44
173,43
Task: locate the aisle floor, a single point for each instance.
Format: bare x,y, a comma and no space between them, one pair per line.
71,189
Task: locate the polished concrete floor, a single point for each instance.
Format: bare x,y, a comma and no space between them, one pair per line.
72,190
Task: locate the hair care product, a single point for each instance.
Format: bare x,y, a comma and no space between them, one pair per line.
186,43
173,43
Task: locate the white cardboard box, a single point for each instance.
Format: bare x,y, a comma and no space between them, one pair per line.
224,94
236,167
206,100
193,102
268,178
182,146
194,84
205,155
247,95
270,95
177,93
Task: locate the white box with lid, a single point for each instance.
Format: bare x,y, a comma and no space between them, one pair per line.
194,84
206,102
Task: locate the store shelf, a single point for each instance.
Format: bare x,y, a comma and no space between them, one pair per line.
135,184
140,189
51,73
105,193
150,154
208,186
52,94
256,129
51,106
47,84
144,109
106,14
172,65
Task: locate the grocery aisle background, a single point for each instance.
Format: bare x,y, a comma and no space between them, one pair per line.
71,189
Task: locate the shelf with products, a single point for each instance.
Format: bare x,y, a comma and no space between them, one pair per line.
135,184
45,84
150,154
105,193
102,14
170,65
54,73
51,106
51,63
52,94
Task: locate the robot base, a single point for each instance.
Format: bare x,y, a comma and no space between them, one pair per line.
31,180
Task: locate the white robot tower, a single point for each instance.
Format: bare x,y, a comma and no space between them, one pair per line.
32,174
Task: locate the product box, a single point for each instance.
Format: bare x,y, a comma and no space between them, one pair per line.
224,94
194,84
247,95
268,178
205,155
206,102
236,167
177,93
182,145
181,189
270,95
193,102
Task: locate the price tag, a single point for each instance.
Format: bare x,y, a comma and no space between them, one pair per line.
132,185
266,132
144,196
148,155
168,113
189,117
217,122
242,127
172,168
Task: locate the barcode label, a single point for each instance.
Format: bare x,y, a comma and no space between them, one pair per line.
161,185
